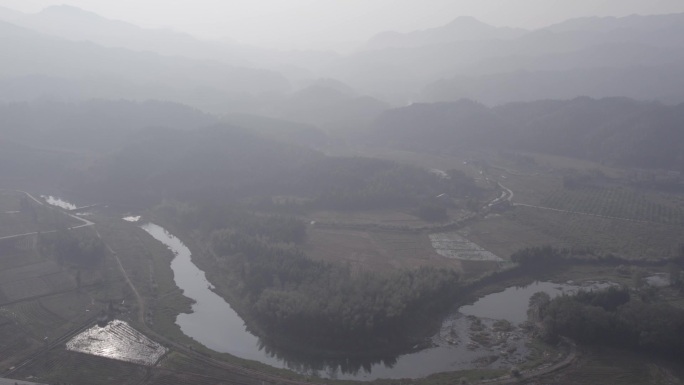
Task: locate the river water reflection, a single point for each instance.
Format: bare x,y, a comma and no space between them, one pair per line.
456,346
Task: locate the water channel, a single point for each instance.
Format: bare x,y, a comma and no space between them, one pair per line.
216,325
467,339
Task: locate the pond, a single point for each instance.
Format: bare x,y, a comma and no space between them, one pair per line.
512,303
55,201
469,338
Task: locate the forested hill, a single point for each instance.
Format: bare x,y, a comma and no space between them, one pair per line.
616,131
224,163
95,125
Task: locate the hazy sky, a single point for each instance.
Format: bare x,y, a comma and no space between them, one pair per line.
278,22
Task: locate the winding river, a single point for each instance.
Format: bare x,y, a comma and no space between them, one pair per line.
467,339
216,325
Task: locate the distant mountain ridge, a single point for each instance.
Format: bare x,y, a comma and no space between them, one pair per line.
76,24
604,24
617,131
463,28
640,45
86,70
83,55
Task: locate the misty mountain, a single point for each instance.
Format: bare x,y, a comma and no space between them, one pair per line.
335,109
76,24
332,109
93,71
644,82
438,127
223,163
607,24
613,55
281,130
96,125
461,29
397,74
616,131
10,15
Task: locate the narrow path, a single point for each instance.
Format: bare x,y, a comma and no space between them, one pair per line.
85,221
583,213
138,297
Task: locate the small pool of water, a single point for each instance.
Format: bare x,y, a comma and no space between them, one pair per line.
119,341
59,202
512,303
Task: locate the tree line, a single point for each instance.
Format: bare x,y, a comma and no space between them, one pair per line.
613,317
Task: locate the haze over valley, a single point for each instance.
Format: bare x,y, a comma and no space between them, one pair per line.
303,192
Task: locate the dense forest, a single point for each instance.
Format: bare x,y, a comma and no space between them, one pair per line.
318,304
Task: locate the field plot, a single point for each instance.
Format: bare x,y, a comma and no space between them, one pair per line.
627,238
13,340
33,280
179,369
10,201
64,367
32,315
529,188
374,250
380,217
118,341
614,202
503,236
455,246
15,220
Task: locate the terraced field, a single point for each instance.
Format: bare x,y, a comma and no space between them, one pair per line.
34,280
455,246
118,340
60,366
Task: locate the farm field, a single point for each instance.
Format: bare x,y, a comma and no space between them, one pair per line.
379,217
615,202
117,340
375,250
455,246
20,215
503,235
627,238
61,366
